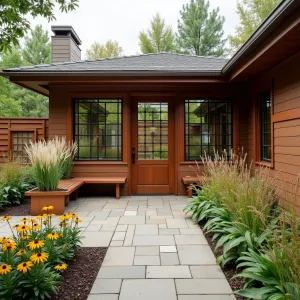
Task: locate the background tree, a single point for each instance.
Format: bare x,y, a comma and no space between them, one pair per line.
252,13
36,51
37,47
9,107
109,49
13,17
200,32
159,38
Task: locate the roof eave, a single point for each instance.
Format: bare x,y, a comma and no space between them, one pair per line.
283,8
213,73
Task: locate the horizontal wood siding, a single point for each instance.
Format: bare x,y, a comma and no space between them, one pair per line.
39,125
286,126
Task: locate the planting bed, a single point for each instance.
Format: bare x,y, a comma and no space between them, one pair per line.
229,271
17,210
78,279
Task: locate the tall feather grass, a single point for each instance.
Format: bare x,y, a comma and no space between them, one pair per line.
48,161
250,200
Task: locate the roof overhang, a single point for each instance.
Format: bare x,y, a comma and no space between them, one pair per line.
274,41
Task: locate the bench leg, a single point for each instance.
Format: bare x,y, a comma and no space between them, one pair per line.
67,200
74,195
117,191
190,191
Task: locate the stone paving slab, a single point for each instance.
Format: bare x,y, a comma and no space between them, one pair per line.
119,256
152,240
146,250
148,289
190,240
103,297
96,239
150,260
169,259
206,297
168,272
195,255
122,272
202,286
106,286
146,229
207,272
176,223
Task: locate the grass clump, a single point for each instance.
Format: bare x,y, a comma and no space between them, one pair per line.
50,162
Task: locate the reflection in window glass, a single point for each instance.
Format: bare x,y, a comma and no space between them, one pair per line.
19,140
98,129
208,127
153,131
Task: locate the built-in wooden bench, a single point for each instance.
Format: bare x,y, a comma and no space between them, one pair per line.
190,181
67,189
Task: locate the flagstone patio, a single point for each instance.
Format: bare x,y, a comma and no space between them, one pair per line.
155,250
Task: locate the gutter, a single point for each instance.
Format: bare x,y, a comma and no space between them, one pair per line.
93,73
282,10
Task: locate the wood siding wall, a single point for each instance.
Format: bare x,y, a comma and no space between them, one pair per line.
38,125
60,115
284,81
64,49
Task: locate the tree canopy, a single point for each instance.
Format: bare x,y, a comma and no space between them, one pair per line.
109,49
24,102
37,48
200,32
252,13
159,38
14,22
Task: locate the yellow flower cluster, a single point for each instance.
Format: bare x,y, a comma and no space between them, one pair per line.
30,229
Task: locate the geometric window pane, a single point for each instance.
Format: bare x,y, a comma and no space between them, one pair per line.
19,140
266,126
98,129
152,131
207,126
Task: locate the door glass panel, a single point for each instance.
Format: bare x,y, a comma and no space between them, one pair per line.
152,131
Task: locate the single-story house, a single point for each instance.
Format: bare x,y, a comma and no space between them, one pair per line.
149,117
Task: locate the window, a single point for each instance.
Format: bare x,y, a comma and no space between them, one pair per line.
208,127
266,126
98,129
19,140
153,131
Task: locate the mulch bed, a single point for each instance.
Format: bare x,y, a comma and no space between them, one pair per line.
78,280
17,210
229,270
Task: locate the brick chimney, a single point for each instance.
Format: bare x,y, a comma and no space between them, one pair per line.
65,44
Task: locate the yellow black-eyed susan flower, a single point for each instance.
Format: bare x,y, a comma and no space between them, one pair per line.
3,239
25,266
65,217
61,267
77,220
9,246
5,269
6,218
40,217
23,228
24,220
39,257
35,244
36,226
21,252
48,207
52,236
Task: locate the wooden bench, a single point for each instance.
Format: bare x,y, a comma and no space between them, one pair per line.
190,181
67,189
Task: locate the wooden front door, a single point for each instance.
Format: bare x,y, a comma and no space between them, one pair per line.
153,145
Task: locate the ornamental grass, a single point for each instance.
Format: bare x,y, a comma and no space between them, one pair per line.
51,161
33,257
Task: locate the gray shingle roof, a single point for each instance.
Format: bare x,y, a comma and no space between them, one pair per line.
146,63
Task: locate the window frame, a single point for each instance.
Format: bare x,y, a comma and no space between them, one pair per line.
10,139
264,98
121,113
215,100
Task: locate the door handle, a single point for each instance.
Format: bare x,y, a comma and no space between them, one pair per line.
133,155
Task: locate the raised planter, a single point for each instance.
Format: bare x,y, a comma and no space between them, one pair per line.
58,199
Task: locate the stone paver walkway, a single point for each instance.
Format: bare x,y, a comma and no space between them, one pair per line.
155,251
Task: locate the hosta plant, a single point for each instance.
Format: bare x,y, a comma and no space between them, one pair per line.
32,259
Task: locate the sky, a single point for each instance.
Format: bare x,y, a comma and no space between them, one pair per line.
120,20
